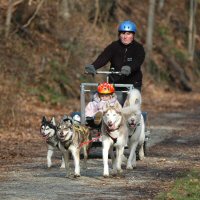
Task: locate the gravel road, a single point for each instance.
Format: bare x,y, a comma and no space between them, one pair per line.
32,180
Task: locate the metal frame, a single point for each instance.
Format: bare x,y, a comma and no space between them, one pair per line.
86,87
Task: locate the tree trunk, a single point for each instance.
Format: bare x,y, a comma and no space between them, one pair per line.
161,5
149,45
64,9
8,18
192,29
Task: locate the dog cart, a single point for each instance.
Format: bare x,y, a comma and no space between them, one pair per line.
87,90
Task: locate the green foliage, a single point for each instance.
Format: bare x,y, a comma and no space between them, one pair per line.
185,188
58,71
50,94
180,56
164,34
163,31
157,72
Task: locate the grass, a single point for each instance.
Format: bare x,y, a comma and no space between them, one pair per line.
185,188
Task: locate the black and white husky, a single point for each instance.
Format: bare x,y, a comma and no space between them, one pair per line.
48,130
135,125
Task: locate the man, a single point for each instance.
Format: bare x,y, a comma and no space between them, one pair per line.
125,55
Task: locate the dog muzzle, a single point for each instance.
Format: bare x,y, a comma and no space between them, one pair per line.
132,124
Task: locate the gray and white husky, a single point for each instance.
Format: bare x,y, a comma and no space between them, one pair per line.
135,125
114,135
48,130
73,138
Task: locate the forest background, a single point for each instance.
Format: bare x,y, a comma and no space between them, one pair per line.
45,44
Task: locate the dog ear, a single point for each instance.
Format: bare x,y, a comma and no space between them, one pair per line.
70,119
127,101
53,121
118,107
67,118
44,120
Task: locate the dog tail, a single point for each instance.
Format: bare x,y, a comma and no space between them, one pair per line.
131,109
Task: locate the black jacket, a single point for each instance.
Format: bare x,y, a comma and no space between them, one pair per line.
120,55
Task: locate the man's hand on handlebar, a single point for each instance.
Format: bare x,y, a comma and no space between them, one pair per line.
90,69
126,70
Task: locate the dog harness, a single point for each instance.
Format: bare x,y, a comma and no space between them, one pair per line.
67,143
108,131
53,141
134,129
81,130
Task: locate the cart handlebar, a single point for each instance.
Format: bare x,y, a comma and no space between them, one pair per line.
108,72
111,71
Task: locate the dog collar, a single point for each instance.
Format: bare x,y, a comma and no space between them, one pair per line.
108,131
134,129
52,140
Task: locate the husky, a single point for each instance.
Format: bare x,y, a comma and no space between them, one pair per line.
135,125
114,135
48,130
73,138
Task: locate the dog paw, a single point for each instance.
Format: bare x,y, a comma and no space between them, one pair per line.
67,176
141,157
106,176
134,166
129,167
119,171
76,175
49,167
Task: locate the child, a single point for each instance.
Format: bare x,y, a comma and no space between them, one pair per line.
106,95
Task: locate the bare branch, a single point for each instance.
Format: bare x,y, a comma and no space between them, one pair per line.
34,14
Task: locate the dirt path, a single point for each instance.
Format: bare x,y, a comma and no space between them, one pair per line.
173,149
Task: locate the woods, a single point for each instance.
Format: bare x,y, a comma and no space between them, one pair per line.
69,27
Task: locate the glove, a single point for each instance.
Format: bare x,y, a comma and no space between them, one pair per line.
90,69
126,70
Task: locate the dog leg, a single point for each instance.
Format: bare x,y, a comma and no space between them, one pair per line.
62,163
119,153
112,155
66,159
105,150
141,152
85,154
49,156
132,157
76,157
141,143
124,159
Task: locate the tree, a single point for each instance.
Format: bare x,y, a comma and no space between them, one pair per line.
161,4
150,28
8,18
192,29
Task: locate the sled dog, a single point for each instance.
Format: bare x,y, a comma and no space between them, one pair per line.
135,125
48,130
114,134
72,139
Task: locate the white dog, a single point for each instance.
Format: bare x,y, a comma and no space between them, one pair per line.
114,134
136,126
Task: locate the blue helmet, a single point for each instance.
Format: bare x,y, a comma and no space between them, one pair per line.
128,26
